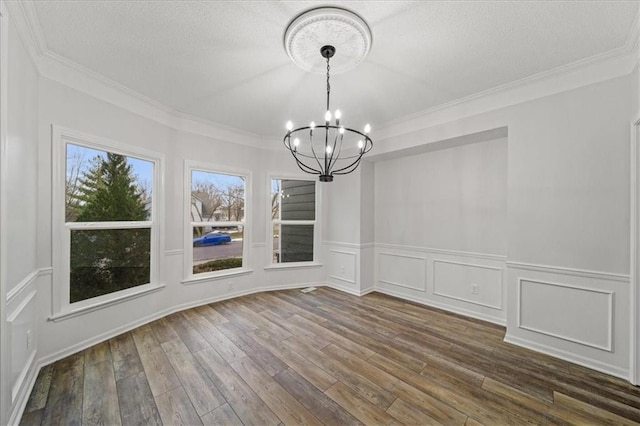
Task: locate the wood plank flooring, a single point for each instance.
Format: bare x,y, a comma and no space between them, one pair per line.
323,357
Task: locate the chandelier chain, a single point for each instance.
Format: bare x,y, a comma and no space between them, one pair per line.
328,85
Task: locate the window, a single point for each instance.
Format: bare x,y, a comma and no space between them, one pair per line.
217,231
107,214
293,221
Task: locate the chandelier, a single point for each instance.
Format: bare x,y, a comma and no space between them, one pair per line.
330,148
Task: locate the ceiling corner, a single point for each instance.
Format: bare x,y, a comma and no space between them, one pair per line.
23,15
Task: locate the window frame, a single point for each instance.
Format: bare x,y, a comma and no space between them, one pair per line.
189,276
317,231
61,229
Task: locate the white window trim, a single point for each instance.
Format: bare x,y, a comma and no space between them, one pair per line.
61,230
189,276
317,231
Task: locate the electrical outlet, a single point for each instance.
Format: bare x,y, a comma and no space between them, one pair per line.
475,289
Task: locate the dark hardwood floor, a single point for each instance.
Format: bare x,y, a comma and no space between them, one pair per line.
322,358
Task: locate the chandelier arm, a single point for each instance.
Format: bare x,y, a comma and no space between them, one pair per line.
301,165
351,166
304,167
340,146
368,146
336,152
333,152
326,145
314,152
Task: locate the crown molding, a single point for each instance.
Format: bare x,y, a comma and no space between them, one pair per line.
69,73
607,65
28,30
611,64
57,68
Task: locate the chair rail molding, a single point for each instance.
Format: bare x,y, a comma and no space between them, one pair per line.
585,273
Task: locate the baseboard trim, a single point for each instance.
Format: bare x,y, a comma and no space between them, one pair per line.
160,314
23,394
449,308
567,356
351,291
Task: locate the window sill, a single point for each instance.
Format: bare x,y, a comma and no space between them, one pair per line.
195,279
299,265
72,312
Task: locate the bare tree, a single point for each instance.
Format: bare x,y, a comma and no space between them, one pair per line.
233,201
73,185
144,188
275,202
210,196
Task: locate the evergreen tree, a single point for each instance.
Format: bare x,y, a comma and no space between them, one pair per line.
104,261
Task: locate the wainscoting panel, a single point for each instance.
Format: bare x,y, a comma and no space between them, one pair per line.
348,267
403,270
22,325
342,266
468,282
579,315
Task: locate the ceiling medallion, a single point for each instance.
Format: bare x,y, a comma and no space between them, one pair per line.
340,28
331,148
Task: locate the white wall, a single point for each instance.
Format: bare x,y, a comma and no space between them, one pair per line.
342,208
569,210
635,237
67,107
453,199
568,216
349,230
635,92
569,179
22,171
441,226
20,199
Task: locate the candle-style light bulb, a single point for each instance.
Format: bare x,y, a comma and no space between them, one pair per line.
360,144
296,142
327,116
312,125
328,149
367,128
338,114
289,126
341,130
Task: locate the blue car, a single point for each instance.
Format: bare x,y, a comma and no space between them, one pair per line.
212,239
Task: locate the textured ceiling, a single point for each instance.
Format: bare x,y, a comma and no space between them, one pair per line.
224,61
